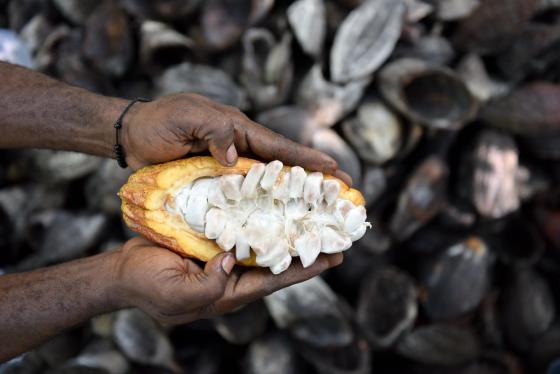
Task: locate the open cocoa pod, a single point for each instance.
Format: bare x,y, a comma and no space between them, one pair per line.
268,212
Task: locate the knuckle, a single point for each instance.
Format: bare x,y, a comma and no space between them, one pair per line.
228,128
218,121
224,131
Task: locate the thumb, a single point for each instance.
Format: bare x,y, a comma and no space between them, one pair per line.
212,281
221,144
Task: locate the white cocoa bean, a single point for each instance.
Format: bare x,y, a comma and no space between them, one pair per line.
341,209
282,265
333,241
228,237
312,188
274,254
355,218
331,189
195,212
308,247
359,232
275,214
281,190
271,173
216,196
297,180
216,220
242,249
252,179
231,186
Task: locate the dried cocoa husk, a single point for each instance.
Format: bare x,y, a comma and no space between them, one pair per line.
365,39
267,69
375,133
427,93
293,122
328,141
528,55
107,43
328,102
471,68
76,11
440,344
308,20
495,165
224,21
301,307
494,25
531,109
417,10
36,31
451,10
387,306
204,80
161,9
161,46
421,199
457,280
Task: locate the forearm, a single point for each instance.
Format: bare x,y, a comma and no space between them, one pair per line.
40,112
39,304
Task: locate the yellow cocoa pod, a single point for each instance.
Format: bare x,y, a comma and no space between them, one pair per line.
169,204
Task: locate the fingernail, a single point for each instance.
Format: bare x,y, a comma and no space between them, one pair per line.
228,262
231,154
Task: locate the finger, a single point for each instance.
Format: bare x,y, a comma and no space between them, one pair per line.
257,283
207,286
344,177
221,143
268,145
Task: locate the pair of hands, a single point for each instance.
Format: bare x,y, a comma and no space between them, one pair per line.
176,290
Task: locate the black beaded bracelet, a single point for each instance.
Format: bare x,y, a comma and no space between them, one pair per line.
119,151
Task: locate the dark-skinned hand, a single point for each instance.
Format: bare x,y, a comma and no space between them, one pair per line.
40,112
176,290
178,125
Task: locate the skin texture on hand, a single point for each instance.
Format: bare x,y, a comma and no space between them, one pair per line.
181,124
176,290
40,112
39,304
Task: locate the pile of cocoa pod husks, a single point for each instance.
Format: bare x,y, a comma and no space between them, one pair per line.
446,113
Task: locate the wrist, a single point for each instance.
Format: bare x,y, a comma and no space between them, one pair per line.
112,109
115,294
130,124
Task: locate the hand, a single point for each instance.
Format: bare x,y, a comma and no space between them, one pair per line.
174,290
176,125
